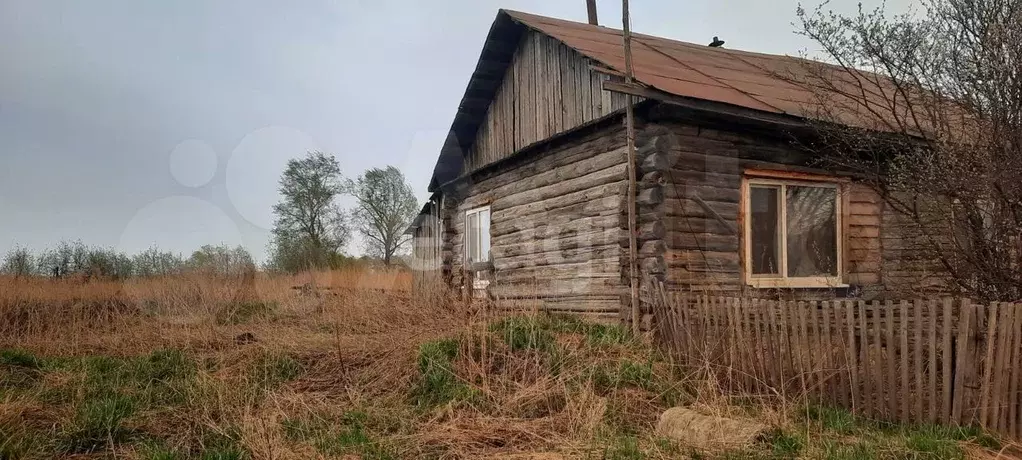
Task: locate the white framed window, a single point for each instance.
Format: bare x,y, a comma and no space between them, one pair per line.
477,235
792,232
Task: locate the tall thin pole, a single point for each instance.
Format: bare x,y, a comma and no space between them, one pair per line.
591,9
630,136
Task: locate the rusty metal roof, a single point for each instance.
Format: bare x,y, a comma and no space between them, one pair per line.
764,82
759,82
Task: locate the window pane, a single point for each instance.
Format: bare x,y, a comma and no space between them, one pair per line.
763,240
471,237
812,230
484,235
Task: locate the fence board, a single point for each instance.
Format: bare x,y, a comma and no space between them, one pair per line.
1013,400
866,374
921,360
830,389
962,353
892,361
851,355
988,366
906,388
945,367
931,353
917,360
876,366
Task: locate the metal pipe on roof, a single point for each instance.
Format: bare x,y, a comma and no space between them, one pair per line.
591,9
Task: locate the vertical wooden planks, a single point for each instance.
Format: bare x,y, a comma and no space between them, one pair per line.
1001,368
816,351
892,361
917,360
1015,374
876,367
984,398
844,376
852,358
761,352
962,362
945,361
794,351
906,388
932,314
775,358
803,348
830,391
864,371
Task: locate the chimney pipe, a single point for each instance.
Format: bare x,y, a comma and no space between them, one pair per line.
591,9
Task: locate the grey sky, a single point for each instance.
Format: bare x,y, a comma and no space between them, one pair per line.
130,123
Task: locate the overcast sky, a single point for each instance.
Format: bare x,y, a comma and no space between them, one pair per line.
132,123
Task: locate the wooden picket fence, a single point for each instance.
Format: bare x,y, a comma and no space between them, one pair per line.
930,360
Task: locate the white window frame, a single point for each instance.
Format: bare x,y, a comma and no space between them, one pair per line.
781,279
466,245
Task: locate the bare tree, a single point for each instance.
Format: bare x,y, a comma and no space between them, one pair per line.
385,206
18,262
310,228
927,108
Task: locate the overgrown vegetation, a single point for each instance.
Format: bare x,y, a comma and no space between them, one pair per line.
342,371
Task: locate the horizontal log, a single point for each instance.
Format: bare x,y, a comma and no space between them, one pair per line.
652,179
538,229
655,162
561,201
651,231
608,140
505,260
653,265
864,209
650,197
653,247
709,193
530,194
702,241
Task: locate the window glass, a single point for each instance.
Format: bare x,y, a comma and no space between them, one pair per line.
484,235
764,237
811,228
472,233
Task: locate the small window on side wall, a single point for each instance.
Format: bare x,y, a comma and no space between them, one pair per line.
792,233
477,235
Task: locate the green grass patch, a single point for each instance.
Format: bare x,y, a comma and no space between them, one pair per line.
98,421
271,370
524,333
243,312
19,370
347,435
437,383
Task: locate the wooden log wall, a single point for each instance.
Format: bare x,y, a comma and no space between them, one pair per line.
701,204
554,231
548,89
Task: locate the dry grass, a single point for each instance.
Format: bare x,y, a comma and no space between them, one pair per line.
341,364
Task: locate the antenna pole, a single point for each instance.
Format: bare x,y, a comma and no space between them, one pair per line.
630,136
591,9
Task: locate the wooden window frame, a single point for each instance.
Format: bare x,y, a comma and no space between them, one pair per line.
782,179
466,245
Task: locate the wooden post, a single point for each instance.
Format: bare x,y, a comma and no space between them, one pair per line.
630,137
591,9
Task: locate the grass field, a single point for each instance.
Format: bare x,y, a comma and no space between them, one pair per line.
351,364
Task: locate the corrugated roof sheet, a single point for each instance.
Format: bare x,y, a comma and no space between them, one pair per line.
764,82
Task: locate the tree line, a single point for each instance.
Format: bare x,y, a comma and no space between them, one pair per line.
74,259
310,231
